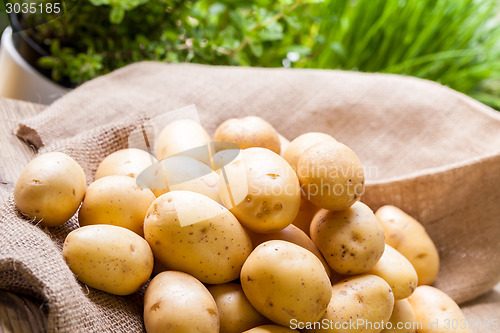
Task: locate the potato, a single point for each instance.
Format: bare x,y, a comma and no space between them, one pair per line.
351,241
125,162
307,210
397,271
300,144
331,175
270,329
50,189
290,234
235,311
284,142
116,200
109,258
402,318
436,312
249,132
360,304
181,173
224,157
409,237
183,137
285,282
192,233
261,190
176,302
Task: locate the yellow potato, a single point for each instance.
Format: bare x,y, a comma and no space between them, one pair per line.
235,311
397,271
261,190
116,200
183,137
224,157
409,237
436,312
125,162
192,233
331,175
108,258
270,329
248,132
285,282
284,142
351,241
50,189
307,210
301,143
178,303
402,319
290,234
360,304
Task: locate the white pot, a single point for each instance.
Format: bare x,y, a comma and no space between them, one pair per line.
19,80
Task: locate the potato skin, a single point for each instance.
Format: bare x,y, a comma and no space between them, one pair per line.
409,238
366,297
300,144
331,175
284,142
50,189
284,281
270,329
307,210
125,162
402,313
271,189
435,310
116,200
397,271
249,132
212,249
176,302
109,258
351,241
235,311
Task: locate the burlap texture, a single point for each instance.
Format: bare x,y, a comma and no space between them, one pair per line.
426,148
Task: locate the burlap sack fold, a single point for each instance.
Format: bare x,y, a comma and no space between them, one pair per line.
427,149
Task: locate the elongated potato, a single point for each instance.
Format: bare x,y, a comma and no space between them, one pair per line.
270,329
360,304
285,282
397,271
300,144
437,312
109,258
351,241
331,175
176,302
50,188
125,162
402,319
235,311
192,233
409,237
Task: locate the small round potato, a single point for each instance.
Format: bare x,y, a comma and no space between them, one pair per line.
397,271
307,210
116,200
261,190
437,312
184,137
109,258
285,282
249,132
351,241
409,238
176,302
192,233
402,315
125,162
270,329
235,311
301,143
50,189
331,175
360,304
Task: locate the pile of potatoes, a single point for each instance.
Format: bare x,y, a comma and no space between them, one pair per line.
270,237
